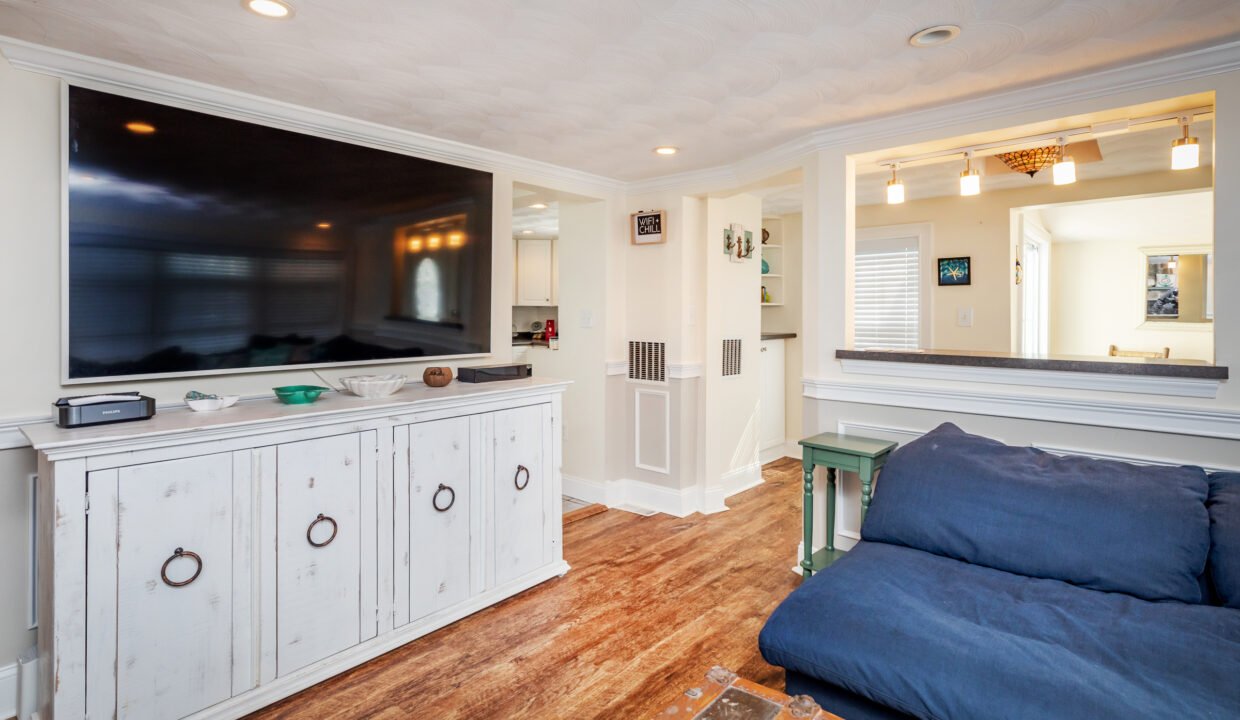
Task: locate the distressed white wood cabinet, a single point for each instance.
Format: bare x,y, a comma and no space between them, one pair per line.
205,565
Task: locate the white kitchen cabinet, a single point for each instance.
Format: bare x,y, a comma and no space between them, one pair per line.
163,537
320,523
535,282
771,400
185,571
441,507
520,477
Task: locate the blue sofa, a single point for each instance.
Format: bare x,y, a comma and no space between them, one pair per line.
1005,582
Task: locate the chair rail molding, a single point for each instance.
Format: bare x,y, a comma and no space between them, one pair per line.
1184,420
1106,382
146,84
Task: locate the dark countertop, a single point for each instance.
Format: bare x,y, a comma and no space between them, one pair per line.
778,335
1157,367
527,338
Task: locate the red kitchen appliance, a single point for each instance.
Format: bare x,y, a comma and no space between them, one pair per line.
549,327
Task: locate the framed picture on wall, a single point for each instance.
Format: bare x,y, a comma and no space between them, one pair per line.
955,271
648,228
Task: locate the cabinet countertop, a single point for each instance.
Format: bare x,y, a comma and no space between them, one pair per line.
177,421
778,335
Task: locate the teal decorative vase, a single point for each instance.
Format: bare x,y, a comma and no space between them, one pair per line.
766,267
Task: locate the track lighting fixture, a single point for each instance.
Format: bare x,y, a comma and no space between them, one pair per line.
970,180
1064,169
1185,152
895,188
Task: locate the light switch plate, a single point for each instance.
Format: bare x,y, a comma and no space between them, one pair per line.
587,318
964,317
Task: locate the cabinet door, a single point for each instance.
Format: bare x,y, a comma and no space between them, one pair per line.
521,481
534,261
174,544
771,411
318,545
440,509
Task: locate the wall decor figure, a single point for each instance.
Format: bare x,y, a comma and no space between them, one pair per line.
955,271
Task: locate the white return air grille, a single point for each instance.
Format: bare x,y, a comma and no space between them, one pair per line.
647,361
732,357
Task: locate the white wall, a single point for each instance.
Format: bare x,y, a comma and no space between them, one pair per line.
733,310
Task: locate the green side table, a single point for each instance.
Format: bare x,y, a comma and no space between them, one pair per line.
835,452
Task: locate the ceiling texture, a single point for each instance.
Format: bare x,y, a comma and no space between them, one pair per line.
594,85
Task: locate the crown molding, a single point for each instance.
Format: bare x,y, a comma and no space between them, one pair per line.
1155,72
145,84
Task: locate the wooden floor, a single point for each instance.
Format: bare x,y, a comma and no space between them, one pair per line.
650,605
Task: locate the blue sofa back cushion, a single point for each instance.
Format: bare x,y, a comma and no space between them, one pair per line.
1224,507
1100,524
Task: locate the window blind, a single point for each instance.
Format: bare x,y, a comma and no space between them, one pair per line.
887,299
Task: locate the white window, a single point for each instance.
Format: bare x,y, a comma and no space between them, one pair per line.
890,292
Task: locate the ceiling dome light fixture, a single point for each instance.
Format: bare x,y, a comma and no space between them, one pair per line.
1064,169
666,150
1032,160
274,9
1185,152
137,127
539,206
895,188
970,179
934,36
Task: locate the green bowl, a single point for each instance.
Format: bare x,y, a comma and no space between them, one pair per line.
299,394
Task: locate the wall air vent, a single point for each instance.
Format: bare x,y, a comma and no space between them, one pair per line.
731,357
647,361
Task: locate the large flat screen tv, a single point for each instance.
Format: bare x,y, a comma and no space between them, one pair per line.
200,244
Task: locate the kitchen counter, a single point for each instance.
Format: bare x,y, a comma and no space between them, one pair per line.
1157,367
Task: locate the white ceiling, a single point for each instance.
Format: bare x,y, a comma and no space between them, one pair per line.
1179,219
595,84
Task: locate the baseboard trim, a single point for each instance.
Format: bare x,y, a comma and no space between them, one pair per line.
8,691
680,502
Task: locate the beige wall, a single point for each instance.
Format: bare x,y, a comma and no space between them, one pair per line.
981,227
1097,291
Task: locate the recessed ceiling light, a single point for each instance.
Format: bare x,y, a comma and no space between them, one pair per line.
137,127
666,150
277,9
324,225
527,232
932,36
539,206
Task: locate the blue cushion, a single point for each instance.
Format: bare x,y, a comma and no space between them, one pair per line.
1101,524
1224,507
938,638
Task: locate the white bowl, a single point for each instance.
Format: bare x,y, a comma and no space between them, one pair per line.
374,386
215,403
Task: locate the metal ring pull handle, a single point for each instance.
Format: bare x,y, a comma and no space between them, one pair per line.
451,498
516,480
181,553
310,530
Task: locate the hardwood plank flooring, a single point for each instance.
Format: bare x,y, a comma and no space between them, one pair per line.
650,605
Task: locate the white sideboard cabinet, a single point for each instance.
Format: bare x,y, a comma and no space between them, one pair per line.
204,565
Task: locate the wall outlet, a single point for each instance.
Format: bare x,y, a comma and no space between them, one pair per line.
964,317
